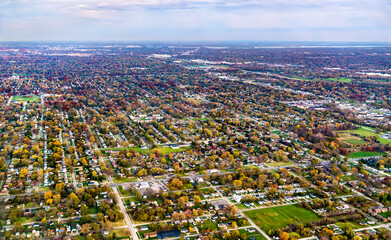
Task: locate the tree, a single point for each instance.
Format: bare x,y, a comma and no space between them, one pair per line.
234,225
176,183
71,149
74,199
350,233
235,234
197,199
97,153
237,183
95,226
23,173
83,161
142,172
284,236
56,198
84,210
48,195
44,221
100,217
17,227
85,228
40,175
175,216
60,186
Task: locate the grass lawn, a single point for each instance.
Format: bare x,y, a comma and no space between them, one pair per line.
43,189
241,206
279,217
195,100
32,205
344,225
199,119
93,210
352,177
188,186
26,220
124,193
260,237
385,214
116,224
368,132
124,180
162,150
341,79
351,139
27,98
279,164
209,225
120,233
79,237
365,154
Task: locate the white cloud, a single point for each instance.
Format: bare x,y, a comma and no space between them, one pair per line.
182,17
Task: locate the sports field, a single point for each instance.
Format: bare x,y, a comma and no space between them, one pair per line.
279,217
26,98
351,139
365,132
365,154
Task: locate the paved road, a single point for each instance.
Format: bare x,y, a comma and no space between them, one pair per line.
126,215
241,213
119,202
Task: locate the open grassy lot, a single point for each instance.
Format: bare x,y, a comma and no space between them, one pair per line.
365,154
341,79
195,100
344,225
26,220
120,233
351,139
385,214
367,132
43,189
27,98
279,164
124,180
162,150
279,217
116,224
351,178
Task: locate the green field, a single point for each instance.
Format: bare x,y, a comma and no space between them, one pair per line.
195,100
124,179
279,217
120,233
351,177
341,79
365,154
351,139
366,132
279,164
26,98
385,214
349,224
162,150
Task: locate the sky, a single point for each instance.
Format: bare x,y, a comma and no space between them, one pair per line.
195,20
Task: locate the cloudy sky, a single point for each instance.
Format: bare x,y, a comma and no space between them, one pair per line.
257,20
